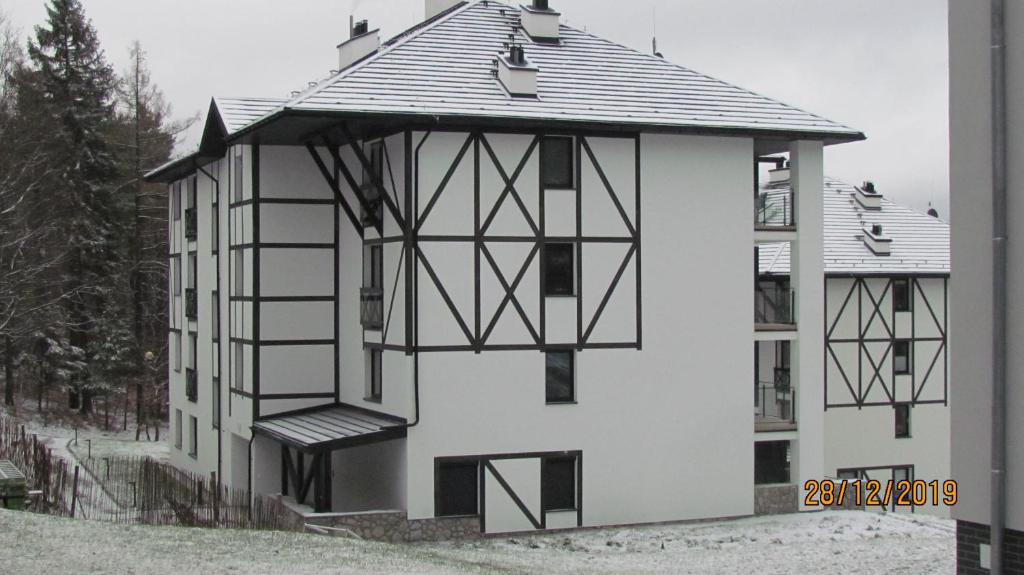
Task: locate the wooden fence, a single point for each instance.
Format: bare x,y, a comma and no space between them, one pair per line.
135,490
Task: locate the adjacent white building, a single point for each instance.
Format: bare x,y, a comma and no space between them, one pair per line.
886,379
495,275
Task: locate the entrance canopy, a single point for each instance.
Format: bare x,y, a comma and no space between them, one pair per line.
330,427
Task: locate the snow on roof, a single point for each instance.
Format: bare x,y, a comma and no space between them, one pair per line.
237,113
444,67
920,243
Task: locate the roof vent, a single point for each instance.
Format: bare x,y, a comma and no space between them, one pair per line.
868,198
516,74
435,7
877,241
361,44
539,21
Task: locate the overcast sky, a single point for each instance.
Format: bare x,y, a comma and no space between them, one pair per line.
880,66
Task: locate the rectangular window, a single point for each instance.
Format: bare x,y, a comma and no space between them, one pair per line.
560,376
771,462
901,357
558,484
557,169
193,266
176,201
375,156
193,346
193,437
902,412
559,270
176,274
215,316
456,489
238,376
238,177
901,300
238,274
177,428
177,351
214,228
374,384
190,196
375,268
216,403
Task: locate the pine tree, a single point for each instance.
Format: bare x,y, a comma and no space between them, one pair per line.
77,87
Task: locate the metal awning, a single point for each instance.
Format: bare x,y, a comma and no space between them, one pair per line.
330,427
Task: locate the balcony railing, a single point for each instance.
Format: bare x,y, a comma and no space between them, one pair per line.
774,305
191,224
191,303
371,308
775,404
774,209
191,385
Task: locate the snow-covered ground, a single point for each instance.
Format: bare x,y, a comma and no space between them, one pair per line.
827,542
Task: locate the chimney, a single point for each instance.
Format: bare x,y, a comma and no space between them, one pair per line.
779,174
539,21
868,197
435,7
516,74
361,44
877,241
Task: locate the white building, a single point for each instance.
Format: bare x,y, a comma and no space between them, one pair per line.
973,33
886,381
416,287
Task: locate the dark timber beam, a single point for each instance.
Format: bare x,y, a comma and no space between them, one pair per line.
333,183
357,190
374,179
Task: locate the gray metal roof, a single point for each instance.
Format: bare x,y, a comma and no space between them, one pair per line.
330,427
920,243
9,474
237,113
444,68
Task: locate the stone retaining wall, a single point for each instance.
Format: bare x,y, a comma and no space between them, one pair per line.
396,527
775,499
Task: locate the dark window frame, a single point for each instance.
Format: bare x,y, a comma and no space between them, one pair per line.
897,352
238,175
556,288
901,421
447,505
176,201
193,437
554,498
375,263
553,398
767,473
902,295
565,179
375,155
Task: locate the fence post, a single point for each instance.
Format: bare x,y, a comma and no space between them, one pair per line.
76,437
74,492
214,496
89,443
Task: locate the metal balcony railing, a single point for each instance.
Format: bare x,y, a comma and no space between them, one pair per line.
774,209
775,402
191,385
774,305
371,308
191,303
191,224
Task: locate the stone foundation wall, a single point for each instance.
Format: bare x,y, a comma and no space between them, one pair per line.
775,499
970,537
395,527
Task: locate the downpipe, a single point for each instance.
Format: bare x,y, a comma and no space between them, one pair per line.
999,296
416,281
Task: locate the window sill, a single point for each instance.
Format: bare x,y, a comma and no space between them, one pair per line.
573,402
473,516
194,456
560,296
565,510
376,400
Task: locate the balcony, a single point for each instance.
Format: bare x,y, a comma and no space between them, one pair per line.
191,385
191,303
773,211
775,404
191,224
774,307
371,308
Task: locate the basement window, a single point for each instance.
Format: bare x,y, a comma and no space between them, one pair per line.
901,357
558,269
901,294
560,376
455,488
558,484
902,412
556,163
771,462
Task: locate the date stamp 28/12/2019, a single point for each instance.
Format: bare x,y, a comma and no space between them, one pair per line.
874,493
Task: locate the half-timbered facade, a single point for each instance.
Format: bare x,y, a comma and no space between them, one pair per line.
458,280
886,379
